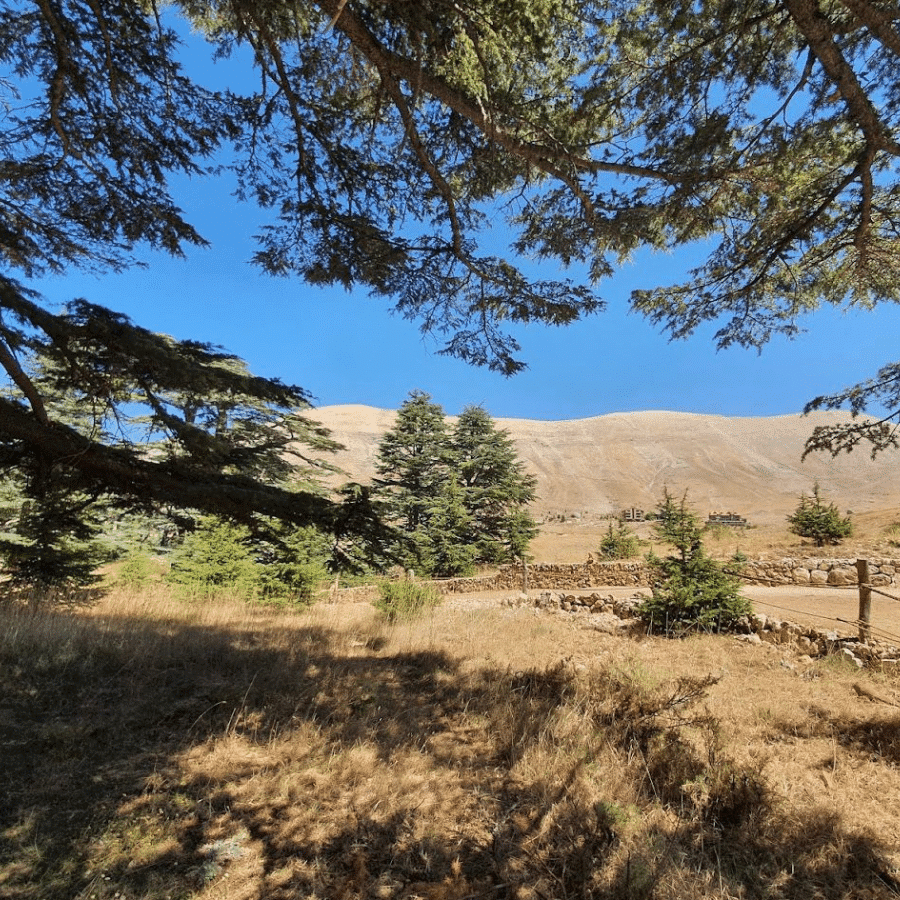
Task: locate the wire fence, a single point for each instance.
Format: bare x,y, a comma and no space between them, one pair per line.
864,625
875,590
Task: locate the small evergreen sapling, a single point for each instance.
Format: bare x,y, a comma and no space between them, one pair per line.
619,543
293,569
216,559
405,599
818,520
691,591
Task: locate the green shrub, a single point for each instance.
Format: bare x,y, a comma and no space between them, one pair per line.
292,570
399,600
137,571
216,559
818,520
691,591
619,543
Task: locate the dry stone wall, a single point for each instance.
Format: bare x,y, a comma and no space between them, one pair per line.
620,616
814,571
547,576
821,572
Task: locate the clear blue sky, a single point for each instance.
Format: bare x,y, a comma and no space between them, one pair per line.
349,348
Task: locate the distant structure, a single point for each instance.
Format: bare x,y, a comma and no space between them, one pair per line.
732,520
632,514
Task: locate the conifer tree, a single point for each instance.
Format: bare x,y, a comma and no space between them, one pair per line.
53,537
496,488
380,140
816,519
216,558
292,567
413,468
460,494
453,547
691,591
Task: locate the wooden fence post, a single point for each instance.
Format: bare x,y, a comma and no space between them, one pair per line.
865,599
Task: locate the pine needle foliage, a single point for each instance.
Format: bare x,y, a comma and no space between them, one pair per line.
458,495
53,535
294,567
691,591
137,571
619,542
819,520
384,142
217,558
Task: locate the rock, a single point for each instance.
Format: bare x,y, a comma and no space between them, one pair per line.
848,654
749,638
801,576
631,626
841,576
818,577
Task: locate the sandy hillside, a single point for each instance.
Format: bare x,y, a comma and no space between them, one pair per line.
595,466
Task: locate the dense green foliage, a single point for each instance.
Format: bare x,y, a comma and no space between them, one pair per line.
495,487
53,538
816,519
691,591
404,600
216,558
386,142
619,542
294,566
137,572
219,557
458,496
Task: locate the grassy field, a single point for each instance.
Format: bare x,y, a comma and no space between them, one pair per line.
151,748
874,533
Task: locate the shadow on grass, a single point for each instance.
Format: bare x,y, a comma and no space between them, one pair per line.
872,735
98,800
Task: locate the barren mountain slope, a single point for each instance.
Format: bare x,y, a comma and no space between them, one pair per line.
600,465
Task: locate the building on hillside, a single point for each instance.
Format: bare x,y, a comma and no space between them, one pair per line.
632,514
730,519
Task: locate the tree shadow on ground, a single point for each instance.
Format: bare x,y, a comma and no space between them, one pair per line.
105,791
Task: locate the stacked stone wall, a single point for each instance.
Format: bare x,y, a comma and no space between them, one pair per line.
808,571
550,576
821,572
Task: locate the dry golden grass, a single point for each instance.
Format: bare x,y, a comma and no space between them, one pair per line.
153,749
874,533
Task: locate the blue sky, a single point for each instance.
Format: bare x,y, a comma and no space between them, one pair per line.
349,348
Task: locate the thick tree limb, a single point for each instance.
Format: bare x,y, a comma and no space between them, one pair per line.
122,471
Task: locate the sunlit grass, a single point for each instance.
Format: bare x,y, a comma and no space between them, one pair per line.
157,748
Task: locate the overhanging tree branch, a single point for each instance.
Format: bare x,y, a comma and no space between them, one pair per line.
126,474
